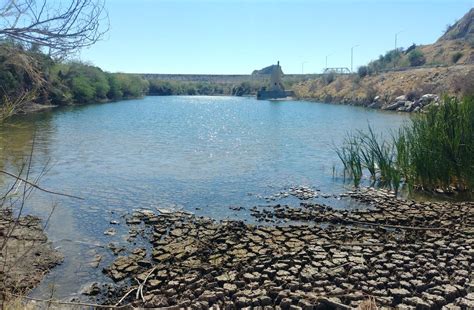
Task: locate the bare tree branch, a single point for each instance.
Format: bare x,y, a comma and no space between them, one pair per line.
60,26
37,187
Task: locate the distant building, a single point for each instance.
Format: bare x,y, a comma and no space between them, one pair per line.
276,90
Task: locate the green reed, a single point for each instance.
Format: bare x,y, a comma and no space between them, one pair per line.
435,150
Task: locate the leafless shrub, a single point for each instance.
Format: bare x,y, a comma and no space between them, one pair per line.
11,105
60,26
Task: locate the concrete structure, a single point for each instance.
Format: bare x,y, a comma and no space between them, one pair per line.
276,89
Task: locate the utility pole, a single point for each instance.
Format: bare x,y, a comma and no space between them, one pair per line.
396,36
352,56
302,66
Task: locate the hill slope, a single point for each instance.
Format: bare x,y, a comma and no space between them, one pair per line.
463,29
444,67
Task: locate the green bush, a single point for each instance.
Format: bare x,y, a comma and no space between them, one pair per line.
82,90
363,71
416,58
60,83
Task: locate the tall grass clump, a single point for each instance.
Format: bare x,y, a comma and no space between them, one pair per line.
434,151
350,156
369,151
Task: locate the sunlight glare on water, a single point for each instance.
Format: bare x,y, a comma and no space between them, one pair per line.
201,154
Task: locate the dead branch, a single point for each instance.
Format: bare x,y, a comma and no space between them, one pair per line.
38,187
60,26
59,302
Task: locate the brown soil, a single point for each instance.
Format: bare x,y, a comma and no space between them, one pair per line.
26,254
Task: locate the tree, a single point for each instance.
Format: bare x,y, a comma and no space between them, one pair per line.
59,26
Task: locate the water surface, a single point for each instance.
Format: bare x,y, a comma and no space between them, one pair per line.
202,154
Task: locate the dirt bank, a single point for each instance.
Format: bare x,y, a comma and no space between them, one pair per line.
26,254
401,253
381,90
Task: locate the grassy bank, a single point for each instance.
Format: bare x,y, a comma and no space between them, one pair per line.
433,152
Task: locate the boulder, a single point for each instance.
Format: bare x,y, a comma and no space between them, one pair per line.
375,105
395,105
429,97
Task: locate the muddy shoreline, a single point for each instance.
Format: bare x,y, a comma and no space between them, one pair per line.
401,253
26,254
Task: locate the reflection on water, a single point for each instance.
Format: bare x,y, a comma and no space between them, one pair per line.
203,154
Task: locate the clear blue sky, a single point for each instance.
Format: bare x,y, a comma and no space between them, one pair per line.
236,37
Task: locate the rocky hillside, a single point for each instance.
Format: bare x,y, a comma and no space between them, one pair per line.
455,46
383,89
447,67
463,29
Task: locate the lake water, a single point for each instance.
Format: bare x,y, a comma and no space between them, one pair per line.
201,154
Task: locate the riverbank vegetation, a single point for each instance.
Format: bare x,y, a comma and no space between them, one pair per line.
28,76
433,152
171,88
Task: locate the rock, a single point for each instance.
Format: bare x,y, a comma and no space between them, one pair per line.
110,232
208,296
398,294
409,106
401,98
91,289
373,105
394,106
133,221
429,97
265,300
418,303
242,301
230,287
285,303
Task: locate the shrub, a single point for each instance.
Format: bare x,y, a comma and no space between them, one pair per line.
464,84
412,95
456,56
328,78
370,93
82,90
363,71
416,58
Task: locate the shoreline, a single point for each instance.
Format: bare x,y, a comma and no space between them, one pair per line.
400,253
26,255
